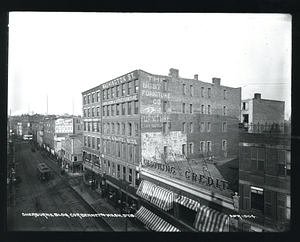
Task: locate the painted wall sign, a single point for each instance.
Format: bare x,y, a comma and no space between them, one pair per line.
155,118
188,175
121,100
119,80
120,139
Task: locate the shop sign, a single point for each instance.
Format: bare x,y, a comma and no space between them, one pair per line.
188,175
119,80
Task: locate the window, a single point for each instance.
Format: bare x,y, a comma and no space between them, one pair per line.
136,86
136,107
98,111
118,171
191,127
191,90
98,143
84,112
108,128
123,108
117,91
93,97
208,109
85,142
129,108
103,109
224,110
124,173
208,145
208,127
98,96
202,146
288,207
209,92
129,129
129,88
123,128
108,109
104,128
224,127
117,109
183,108
93,112
165,86
113,128
257,159
93,142
164,127
191,148
130,152
191,108
257,198
112,92
183,89
165,151
118,128
136,129
202,127
165,106
284,163
89,99
108,93
103,94
113,169
246,199
84,100
183,127
89,112
112,110
224,145
202,109
202,92
137,178
123,89
89,141
225,94
118,147
130,176
184,149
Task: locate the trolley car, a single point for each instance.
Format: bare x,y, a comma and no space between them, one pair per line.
43,172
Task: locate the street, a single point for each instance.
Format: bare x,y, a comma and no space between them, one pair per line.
54,196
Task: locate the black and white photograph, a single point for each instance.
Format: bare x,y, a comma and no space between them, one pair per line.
149,122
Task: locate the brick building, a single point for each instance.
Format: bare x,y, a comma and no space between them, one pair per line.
257,110
144,119
264,178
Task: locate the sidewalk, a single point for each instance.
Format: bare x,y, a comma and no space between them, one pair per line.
100,205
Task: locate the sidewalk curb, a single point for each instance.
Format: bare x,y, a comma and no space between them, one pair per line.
94,209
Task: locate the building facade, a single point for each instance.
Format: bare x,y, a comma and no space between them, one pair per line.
261,111
147,119
264,178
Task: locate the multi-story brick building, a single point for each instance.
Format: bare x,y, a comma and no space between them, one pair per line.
264,178
148,119
257,110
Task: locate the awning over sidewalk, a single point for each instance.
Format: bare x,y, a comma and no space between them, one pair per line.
153,221
209,220
161,197
187,202
145,190
111,184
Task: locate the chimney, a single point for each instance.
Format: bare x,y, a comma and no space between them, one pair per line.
196,77
174,73
257,96
216,81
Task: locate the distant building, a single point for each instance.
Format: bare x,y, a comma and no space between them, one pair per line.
257,110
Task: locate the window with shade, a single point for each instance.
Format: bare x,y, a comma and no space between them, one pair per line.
284,163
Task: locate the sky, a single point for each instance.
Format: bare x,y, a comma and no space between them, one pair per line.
56,56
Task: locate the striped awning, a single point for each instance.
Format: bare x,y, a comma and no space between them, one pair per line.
162,198
145,190
187,202
153,221
209,220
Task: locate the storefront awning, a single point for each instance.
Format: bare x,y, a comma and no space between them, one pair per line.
145,190
187,202
153,221
111,184
162,198
209,220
